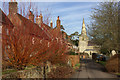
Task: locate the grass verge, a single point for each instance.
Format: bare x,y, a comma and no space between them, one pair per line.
77,66
102,63
8,71
118,74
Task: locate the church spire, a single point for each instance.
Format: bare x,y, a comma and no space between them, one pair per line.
83,21
83,28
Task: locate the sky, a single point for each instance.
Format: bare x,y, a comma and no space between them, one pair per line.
71,13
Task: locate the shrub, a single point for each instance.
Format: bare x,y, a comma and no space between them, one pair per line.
60,72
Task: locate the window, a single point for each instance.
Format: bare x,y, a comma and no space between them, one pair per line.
8,46
48,44
52,39
57,39
40,41
40,26
33,41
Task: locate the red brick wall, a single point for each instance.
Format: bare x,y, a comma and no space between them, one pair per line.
74,59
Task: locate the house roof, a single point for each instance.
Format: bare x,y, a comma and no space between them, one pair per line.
89,50
48,27
56,33
32,28
90,43
4,19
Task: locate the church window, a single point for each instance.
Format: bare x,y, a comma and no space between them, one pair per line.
82,38
90,53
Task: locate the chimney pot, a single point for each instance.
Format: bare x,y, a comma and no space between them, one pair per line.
31,16
12,7
58,23
51,24
39,20
58,17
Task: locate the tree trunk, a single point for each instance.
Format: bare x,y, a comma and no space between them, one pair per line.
44,71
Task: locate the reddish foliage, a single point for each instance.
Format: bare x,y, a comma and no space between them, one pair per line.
28,43
27,47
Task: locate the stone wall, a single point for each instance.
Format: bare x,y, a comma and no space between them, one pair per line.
73,60
36,72
32,73
113,64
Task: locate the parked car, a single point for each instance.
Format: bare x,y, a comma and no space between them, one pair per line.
101,58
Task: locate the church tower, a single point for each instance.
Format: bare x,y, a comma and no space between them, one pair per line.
83,39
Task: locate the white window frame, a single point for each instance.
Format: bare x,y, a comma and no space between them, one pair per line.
33,40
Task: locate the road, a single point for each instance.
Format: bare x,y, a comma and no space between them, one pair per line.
90,69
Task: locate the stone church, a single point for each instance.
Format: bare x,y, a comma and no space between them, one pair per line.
85,45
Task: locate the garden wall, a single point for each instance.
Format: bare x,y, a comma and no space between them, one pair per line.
32,73
113,64
36,72
73,59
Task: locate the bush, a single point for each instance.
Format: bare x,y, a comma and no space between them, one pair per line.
113,64
61,72
72,53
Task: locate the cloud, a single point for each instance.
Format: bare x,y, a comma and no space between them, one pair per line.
71,16
73,8
61,0
76,16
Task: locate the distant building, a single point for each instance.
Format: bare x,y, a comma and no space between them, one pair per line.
86,46
36,29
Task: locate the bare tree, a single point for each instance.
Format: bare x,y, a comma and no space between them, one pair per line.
104,26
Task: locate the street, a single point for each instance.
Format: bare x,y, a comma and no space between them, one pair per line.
90,69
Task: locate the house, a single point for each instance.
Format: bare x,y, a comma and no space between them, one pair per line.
37,30
6,28
28,25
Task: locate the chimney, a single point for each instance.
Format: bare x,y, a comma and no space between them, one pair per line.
31,16
13,7
51,24
58,23
39,20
